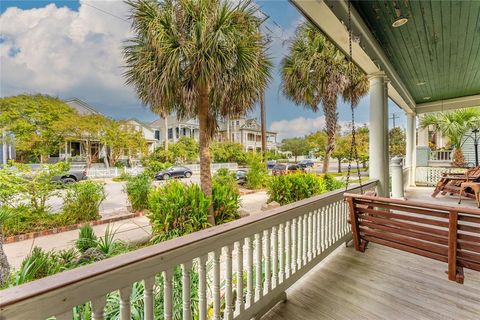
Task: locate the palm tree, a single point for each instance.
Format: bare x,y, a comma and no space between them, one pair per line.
201,58
454,125
314,72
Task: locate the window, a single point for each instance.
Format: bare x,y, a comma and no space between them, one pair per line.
157,134
238,122
170,133
177,132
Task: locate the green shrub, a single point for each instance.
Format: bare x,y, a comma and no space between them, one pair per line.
82,201
176,209
226,197
331,183
86,238
137,191
122,177
294,187
257,174
23,219
38,264
152,167
228,152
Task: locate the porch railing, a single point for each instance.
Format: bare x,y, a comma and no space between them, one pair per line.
441,155
270,250
429,176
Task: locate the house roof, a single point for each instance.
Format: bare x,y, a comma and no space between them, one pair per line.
81,106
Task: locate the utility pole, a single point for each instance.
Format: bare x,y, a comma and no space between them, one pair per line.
262,123
394,116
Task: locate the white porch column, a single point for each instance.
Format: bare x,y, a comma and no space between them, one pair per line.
411,147
386,144
378,145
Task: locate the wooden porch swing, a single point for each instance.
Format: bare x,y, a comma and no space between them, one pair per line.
447,234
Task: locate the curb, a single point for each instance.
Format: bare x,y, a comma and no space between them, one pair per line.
36,234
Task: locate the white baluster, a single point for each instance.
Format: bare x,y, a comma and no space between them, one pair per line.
168,294
250,294
258,266
148,297
202,287
299,242
324,228
125,309
329,226
287,249
239,303
310,236
98,307
294,246
319,231
186,270
65,316
275,257
268,269
228,283
337,221
304,240
314,234
216,285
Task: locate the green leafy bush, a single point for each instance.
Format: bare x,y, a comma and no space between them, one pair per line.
137,189
152,167
228,152
226,197
257,174
176,209
294,187
38,264
86,238
22,220
122,177
82,201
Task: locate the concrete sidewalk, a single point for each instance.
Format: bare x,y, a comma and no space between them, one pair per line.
131,230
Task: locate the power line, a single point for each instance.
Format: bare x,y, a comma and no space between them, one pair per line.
104,11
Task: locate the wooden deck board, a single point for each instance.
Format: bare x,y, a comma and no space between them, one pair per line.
382,283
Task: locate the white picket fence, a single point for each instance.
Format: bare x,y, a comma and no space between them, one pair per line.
431,175
99,172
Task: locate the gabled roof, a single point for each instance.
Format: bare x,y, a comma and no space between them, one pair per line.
143,124
81,106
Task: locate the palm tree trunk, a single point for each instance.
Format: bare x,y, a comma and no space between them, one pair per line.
458,159
330,111
165,130
263,126
204,145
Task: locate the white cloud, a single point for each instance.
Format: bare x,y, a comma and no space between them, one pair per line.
59,51
301,126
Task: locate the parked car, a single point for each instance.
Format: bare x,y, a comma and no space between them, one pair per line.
241,177
281,169
306,163
72,176
174,172
271,164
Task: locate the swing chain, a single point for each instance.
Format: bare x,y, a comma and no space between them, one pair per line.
353,147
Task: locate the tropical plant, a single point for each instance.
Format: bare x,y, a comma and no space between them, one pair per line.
205,59
314,72
5,214
137,189
107,244
176,209
82,200
185,150
226,197
454,125
86,238
257,174
38,264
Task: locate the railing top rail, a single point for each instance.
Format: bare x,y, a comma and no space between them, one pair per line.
186,245
410,203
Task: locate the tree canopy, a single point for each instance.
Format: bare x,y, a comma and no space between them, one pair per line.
35,120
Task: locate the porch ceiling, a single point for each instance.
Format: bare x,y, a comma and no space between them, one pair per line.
437,52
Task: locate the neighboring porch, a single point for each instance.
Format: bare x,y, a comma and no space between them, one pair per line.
382,283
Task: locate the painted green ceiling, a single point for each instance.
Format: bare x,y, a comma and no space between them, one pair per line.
439,45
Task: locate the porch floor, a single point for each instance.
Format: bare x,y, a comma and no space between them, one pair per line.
424,194
382,283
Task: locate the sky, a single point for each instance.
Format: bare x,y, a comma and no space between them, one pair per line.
73,48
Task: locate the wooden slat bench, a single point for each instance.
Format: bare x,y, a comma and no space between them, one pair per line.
447,234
